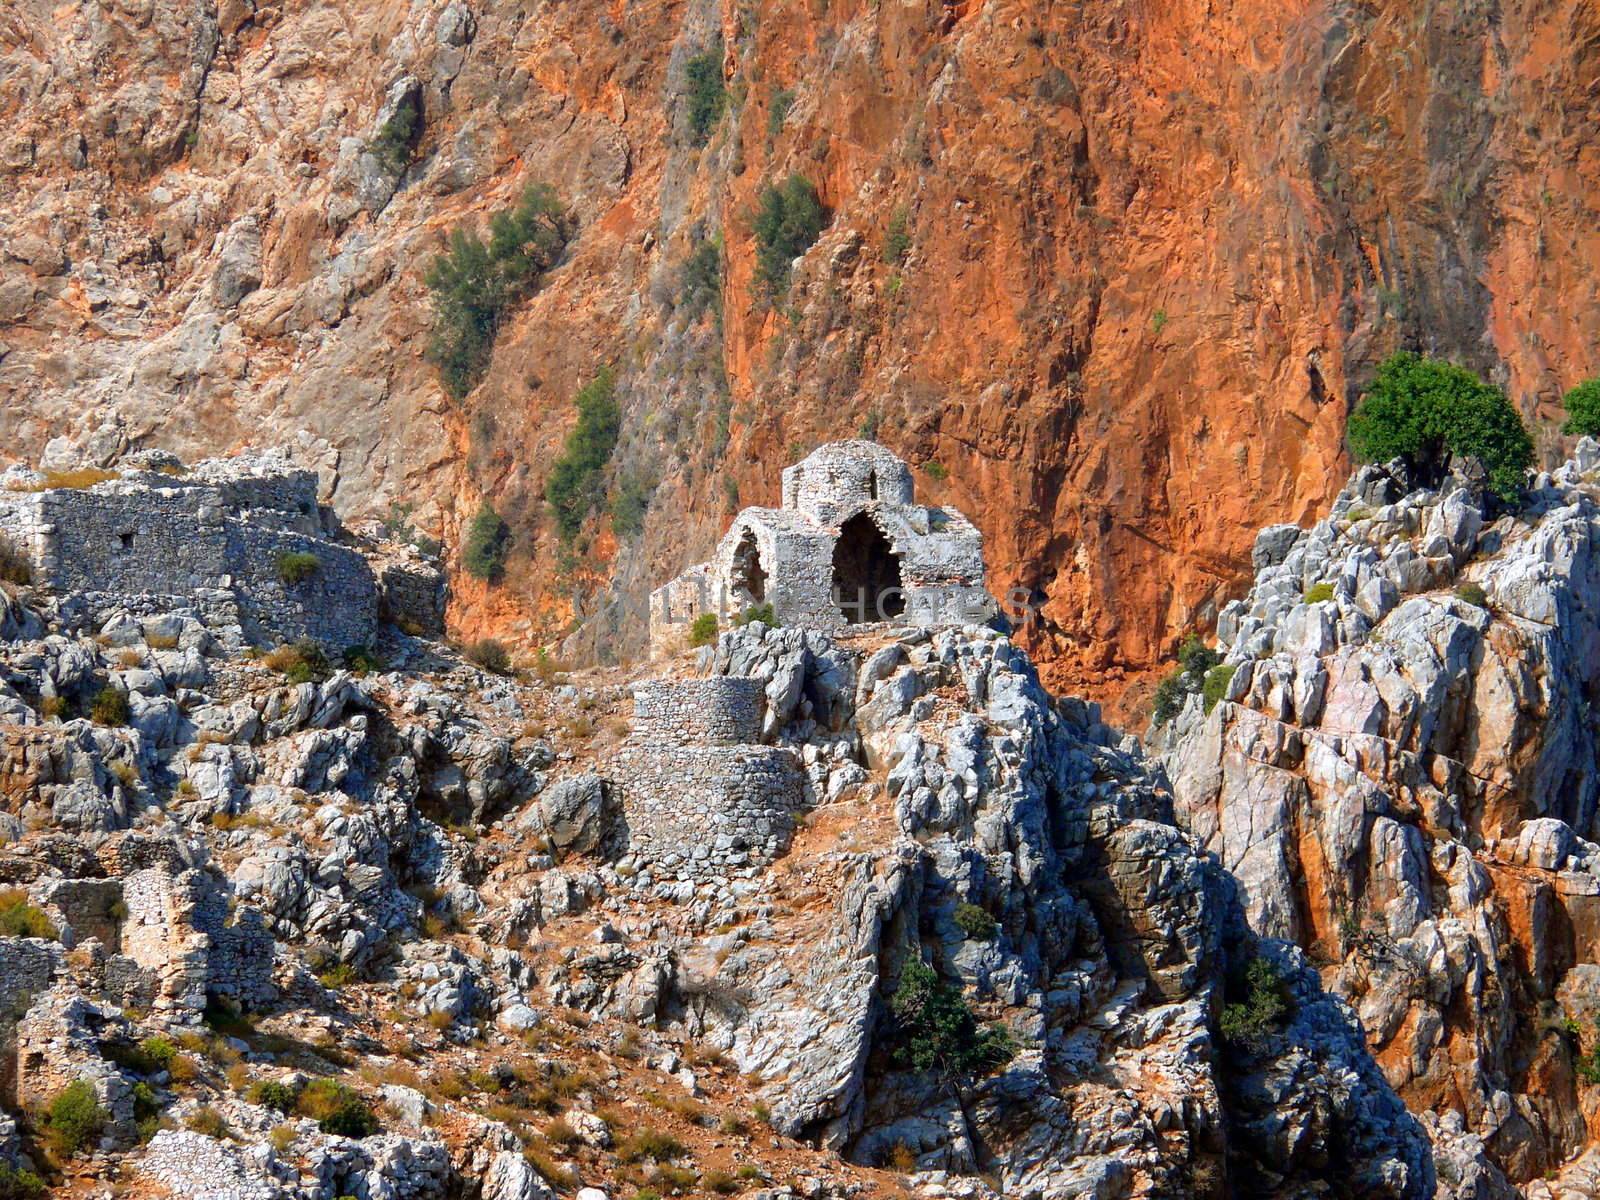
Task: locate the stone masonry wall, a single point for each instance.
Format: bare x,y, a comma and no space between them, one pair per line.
719,711
132,541
700,811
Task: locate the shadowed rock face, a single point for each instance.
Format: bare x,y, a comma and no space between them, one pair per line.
1150,254
1400,778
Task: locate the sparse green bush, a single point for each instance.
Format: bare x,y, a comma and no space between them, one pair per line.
18,1184
630,500
297,566
304,661
789,219
336,1109
1587,1066
897,237
392,144
1249,1022
651,1144
1195,661
1424,410
361,659
1473,593
337,976
1318,593
935,1030
74,1117
488,540
18,918
935,471
474,283
491,655
700,279
208,1121
706,93
762,612
1216,683
110,706
280,1097
704,630
975,921
576,485
778,111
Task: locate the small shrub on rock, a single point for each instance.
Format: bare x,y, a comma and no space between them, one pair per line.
1317,593
704,630
975,921
1195,661
208,1121
273,1094
707,95
304,661
337,1109
576,485
1262,1012
1216,684
18,1184
18,918
1583,409
297,566
488,540
758,612
110,706
74,1118
491,655
1473,593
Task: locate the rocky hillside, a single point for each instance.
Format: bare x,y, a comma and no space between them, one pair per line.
275,930
1108,272
1395,761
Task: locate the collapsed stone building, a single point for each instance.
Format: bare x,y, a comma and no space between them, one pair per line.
151,536
849,546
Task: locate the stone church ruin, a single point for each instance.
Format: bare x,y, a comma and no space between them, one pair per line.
849,546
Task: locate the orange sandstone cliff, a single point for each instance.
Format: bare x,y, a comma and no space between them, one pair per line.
1152,250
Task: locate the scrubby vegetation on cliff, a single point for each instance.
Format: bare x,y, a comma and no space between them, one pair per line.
1583,409
789,220
577,483
474,283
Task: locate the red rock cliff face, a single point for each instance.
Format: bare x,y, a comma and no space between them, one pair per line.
1154,251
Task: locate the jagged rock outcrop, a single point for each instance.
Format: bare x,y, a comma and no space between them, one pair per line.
1396,764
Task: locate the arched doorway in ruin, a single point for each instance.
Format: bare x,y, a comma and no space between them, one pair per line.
749,578
866,573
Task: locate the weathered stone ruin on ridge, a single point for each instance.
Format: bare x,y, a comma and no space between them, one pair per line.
699,793
152,536
849,546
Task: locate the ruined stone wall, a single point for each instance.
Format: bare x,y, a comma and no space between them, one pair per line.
183,544
412,596
719,711
699,811
85,908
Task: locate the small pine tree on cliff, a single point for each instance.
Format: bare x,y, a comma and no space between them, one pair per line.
1583,409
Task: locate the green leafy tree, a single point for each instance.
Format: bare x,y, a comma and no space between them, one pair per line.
392,145
1583,409
1423,410
789,219
474,282
936,1031
707,94
576,485
488,539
